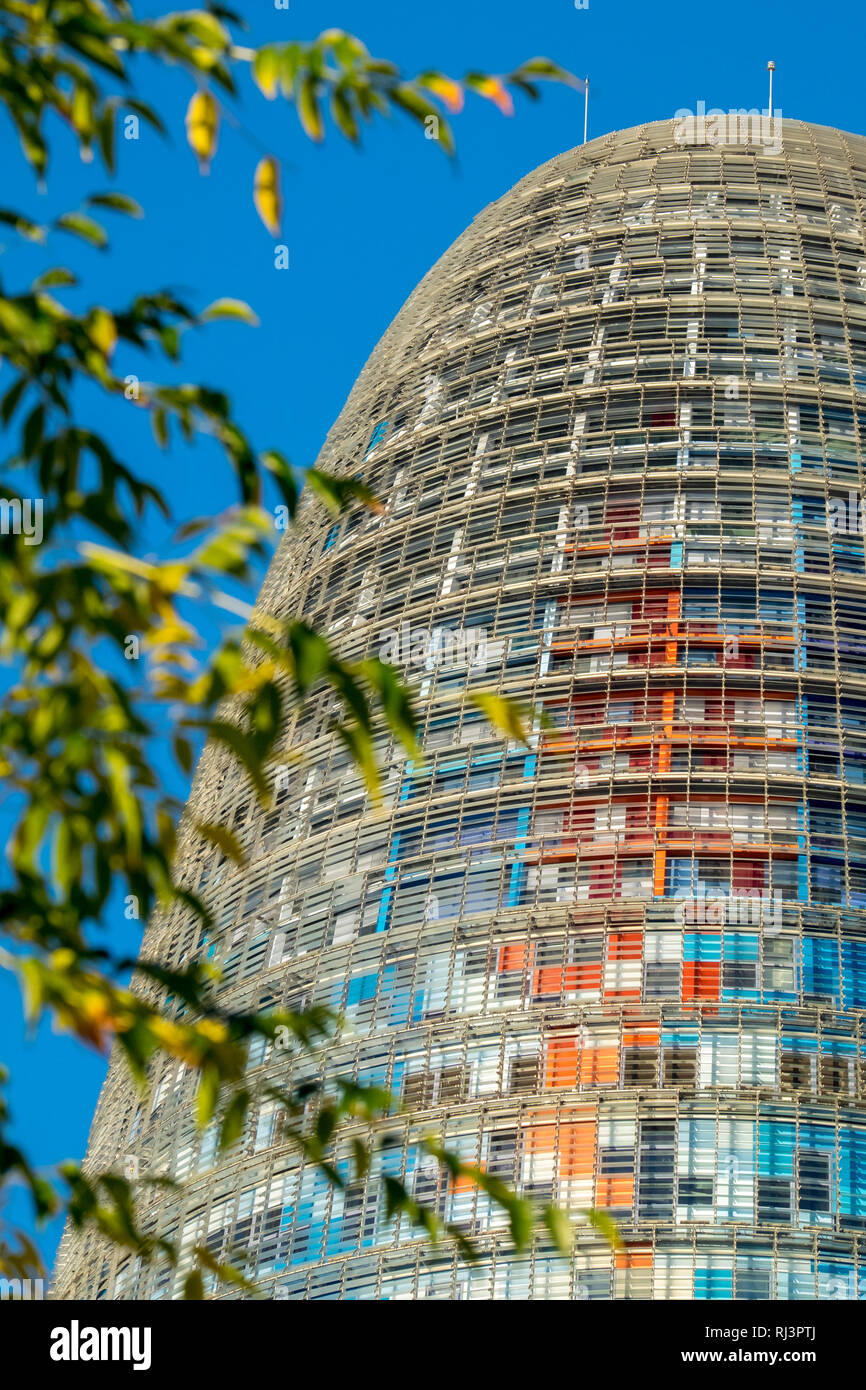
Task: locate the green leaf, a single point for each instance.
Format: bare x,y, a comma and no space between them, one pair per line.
281,471
146,113
344,116
32,432
43,1194
520,1217
23,225
467,1250
396,1197
605,1225
208,1094
311,655
105,136
94,46
183,752
193,1285
414,101
118,202
246,751
128,809
338,493
361,1155
396,703
266,71
57,275
361,750
309,111
227,1272
292,57
159,424
229,309
560,1228
223,838
12,398
544,67
205,27
78,224
234,1119
326,1123
346,48
521,83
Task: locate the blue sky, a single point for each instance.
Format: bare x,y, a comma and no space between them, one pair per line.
362,228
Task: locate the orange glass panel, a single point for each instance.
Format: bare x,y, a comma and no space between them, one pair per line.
563,1057
615,1192
599,1066
635,1257
701,979
514,957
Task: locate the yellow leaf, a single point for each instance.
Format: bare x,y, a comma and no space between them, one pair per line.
266,194
503,713
103,330
230,309
213,1028
82,114
169,633
172,576
449,91
169,1034
202,123
493,89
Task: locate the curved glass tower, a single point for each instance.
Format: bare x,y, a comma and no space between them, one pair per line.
618,432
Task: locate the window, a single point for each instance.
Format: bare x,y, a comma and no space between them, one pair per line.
738,974
418,1091
639,1067
779,971
523,1077
502,1154
656,1173
753,1283
774,1200
695,1192
796,1071
833,1074
680,1067
813,1181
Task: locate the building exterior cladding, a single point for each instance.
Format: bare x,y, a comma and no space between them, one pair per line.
618,432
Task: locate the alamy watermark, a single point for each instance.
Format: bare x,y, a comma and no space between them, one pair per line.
21,1290
77,1343
845,514
442,647
22,516
696,908
739,126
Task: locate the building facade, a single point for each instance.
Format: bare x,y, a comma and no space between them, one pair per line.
618,434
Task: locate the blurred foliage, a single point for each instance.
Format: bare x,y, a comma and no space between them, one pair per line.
79,719
72,57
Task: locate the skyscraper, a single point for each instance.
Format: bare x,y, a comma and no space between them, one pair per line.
617,431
